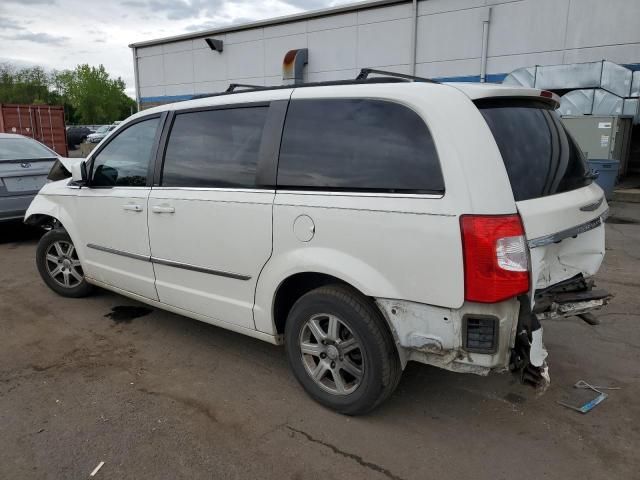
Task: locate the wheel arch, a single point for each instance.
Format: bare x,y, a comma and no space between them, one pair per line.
292,288
296,285
45,210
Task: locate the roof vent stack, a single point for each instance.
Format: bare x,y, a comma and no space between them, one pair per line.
293,66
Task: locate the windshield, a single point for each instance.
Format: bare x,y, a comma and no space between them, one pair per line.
540,156
23,149
103,129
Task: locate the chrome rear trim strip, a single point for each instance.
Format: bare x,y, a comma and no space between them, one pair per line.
144,258
569,232
187,266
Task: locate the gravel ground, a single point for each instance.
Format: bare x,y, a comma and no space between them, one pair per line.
161,396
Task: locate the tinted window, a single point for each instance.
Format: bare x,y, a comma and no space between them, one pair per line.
215,148
540,156
125,159
357,144
23,149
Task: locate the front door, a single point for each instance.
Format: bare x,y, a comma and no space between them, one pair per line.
112,213
209,223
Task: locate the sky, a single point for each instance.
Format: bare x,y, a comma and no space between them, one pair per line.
60,34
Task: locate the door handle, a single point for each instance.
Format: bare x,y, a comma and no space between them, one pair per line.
132,207
159,209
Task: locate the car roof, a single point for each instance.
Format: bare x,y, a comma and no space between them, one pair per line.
474,91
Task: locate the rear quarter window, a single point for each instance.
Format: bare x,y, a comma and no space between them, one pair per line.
357,145
540,156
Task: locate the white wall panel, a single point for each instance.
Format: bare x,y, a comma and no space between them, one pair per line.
157,91
150,51
509,63
273,80
180,89
451,68
151,70
183,46
332,49
383,14
245,59
244,36
332,75
209,65
178,67
210,87
450,36
615,53
531,26
439,6
596,22
333,21
384,43
286,29
248,81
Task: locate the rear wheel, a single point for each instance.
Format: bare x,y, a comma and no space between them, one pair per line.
340,350
59,265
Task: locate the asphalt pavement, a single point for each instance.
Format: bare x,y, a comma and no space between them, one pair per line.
155,395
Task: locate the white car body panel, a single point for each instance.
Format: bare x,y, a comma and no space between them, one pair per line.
116,218
547,216
227,231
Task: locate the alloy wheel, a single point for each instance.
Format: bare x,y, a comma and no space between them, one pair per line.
63,265
331,354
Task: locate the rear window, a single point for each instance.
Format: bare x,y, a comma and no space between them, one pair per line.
357,145
540,156
23,149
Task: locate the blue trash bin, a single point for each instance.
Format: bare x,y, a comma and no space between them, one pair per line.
607,174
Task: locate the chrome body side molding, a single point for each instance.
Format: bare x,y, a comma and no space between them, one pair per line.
170,263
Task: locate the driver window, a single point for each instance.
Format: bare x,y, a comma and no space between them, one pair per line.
125,160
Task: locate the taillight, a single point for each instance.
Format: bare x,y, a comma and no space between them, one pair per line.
496,262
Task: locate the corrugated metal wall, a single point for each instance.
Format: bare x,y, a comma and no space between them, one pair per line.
449,43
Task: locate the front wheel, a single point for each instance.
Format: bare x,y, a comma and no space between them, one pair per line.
340,350
59,265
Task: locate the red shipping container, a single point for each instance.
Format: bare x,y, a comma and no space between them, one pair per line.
44,123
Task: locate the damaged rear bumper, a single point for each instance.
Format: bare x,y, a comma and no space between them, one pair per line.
508,334
573,297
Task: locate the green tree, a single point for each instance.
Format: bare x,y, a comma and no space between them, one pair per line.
26,85
94,95
89,94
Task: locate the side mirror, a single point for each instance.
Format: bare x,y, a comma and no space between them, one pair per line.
79,173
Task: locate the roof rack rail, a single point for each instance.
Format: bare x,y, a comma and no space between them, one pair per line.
364,75
232,87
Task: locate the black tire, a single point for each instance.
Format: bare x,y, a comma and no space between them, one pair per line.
77,287
380,365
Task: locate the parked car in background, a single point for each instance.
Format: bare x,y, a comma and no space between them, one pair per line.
362,224
100,133
76,135
24,166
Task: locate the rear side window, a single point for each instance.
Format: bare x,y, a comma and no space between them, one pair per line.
214,148
540,156
358,145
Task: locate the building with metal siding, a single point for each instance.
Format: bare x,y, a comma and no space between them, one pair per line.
445,39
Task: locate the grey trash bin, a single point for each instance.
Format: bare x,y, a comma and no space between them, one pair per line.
607,174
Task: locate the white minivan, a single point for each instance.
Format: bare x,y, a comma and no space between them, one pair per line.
363,224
